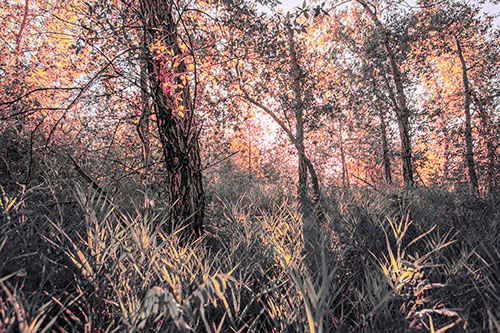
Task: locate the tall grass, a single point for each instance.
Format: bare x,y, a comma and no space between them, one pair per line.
401,261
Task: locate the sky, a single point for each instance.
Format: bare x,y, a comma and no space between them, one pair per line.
490,8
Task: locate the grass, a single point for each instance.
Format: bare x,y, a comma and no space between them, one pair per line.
420,260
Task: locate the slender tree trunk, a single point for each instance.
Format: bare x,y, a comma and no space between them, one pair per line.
143,124
385,149
403,126
402,112
296,74
406,152
316,197
302,185
469,154
175,117
345,174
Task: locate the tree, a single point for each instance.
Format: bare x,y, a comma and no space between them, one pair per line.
455,49
400,99
359,87
174,106
279,56
469,153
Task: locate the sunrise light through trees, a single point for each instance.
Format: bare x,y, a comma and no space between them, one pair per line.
249,166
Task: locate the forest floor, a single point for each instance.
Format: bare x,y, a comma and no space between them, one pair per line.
391,260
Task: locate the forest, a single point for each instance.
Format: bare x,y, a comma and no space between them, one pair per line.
234,166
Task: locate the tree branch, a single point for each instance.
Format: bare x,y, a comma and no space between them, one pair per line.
270,112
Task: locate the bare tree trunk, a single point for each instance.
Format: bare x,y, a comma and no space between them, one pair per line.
469,154
175,117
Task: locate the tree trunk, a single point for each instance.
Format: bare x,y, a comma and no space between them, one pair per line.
175,117
385,149
406,153
302,186
316,198
402,116
345,174
143,123
469,153
305,165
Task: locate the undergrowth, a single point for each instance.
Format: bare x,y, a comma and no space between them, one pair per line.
419,260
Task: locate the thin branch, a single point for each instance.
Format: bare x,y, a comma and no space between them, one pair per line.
209,165
270,112
89,179
368,183
8,103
